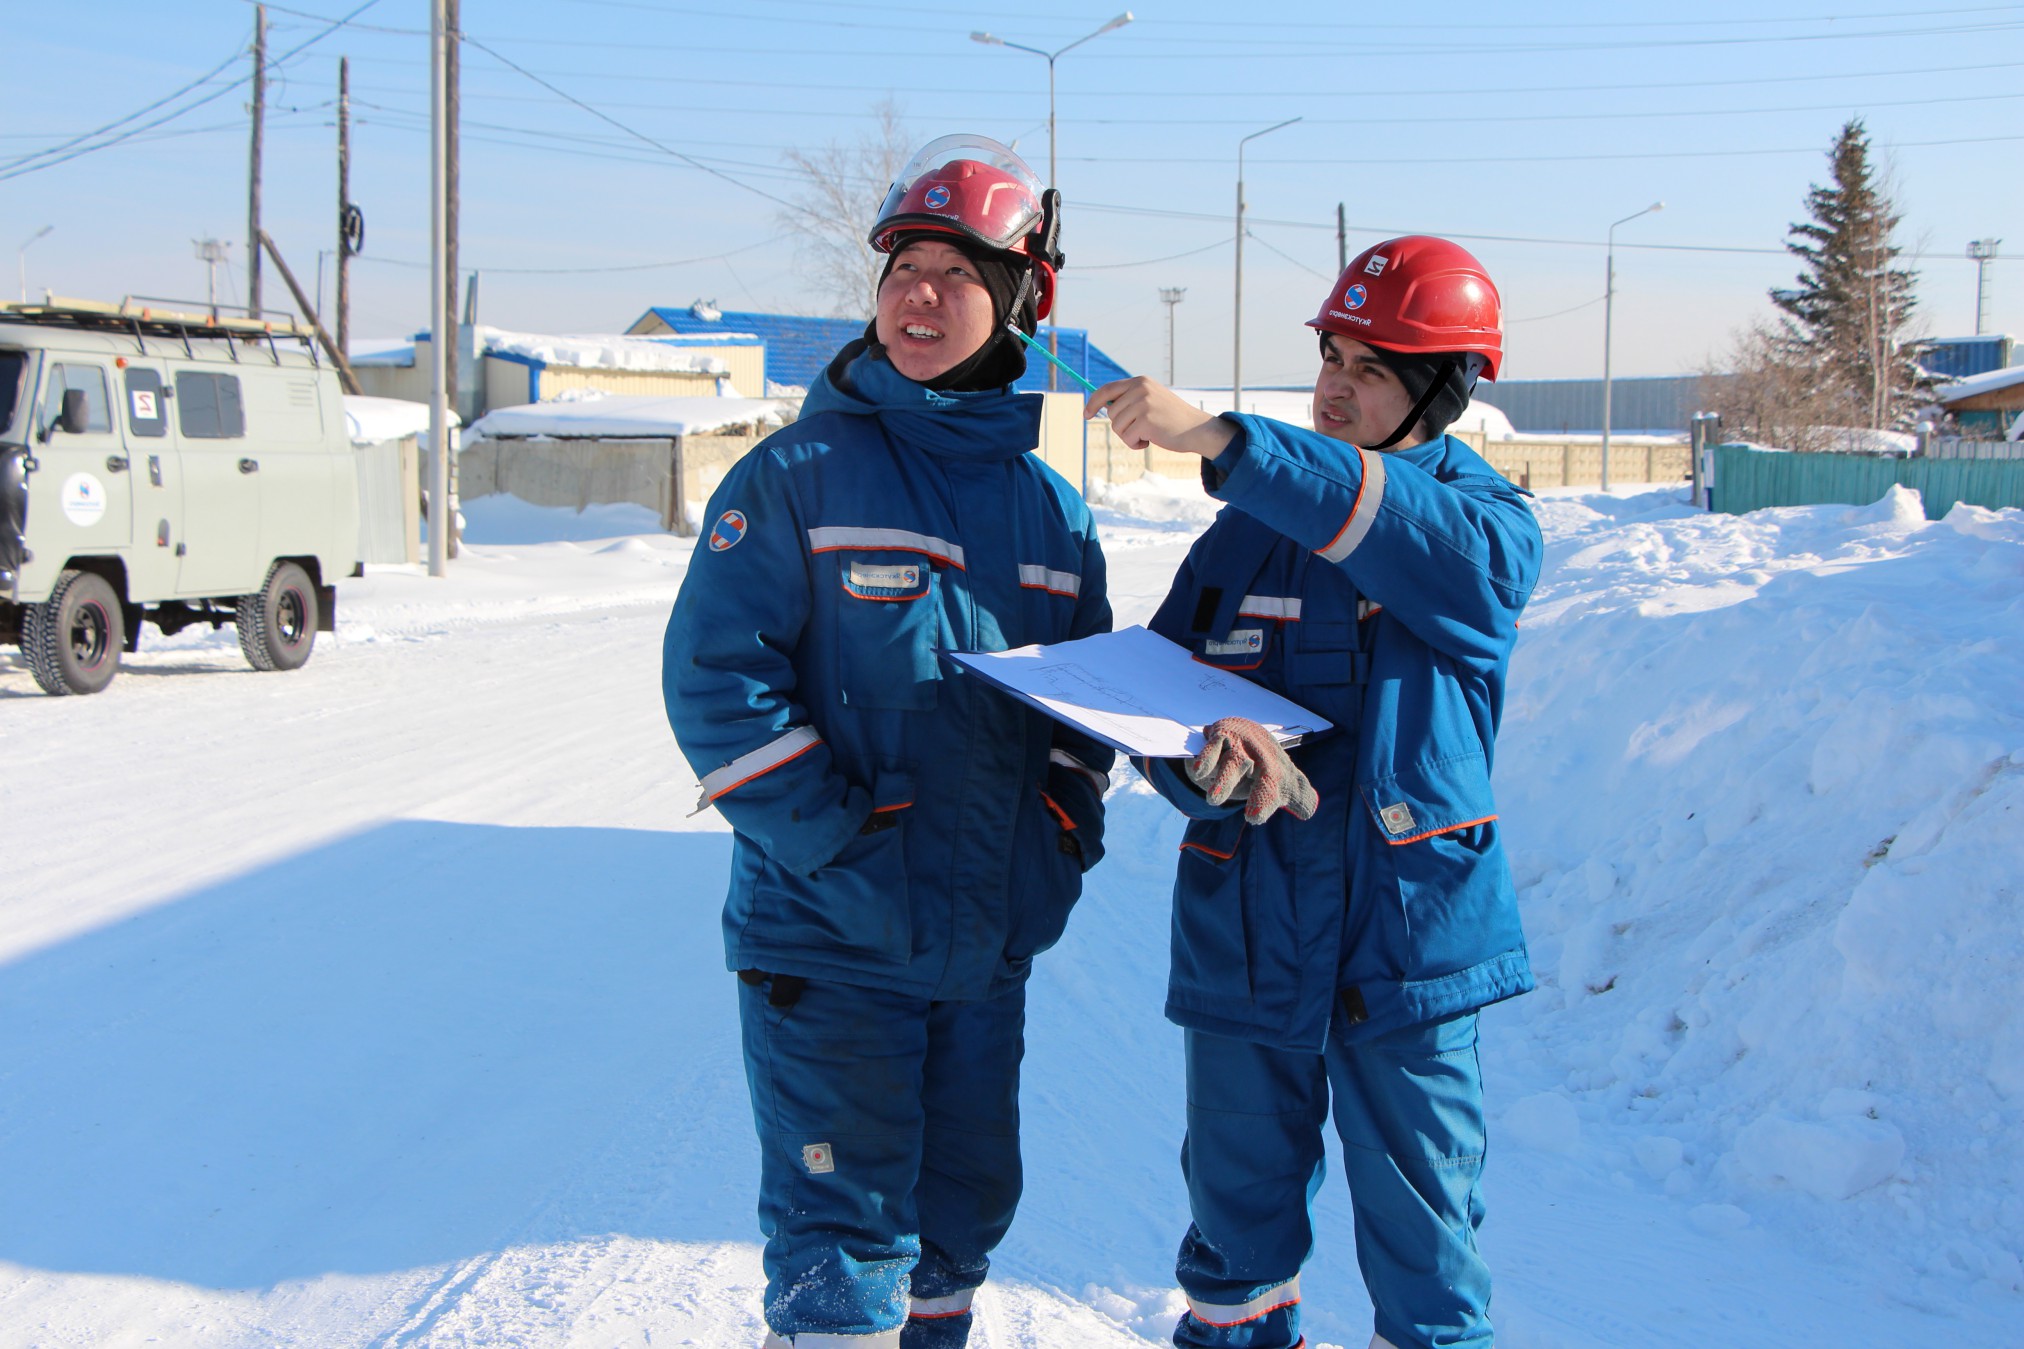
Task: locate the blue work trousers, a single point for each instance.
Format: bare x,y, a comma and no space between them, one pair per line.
1409,1109
889,1136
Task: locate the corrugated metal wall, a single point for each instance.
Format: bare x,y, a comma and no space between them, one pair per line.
1658,405
1748,480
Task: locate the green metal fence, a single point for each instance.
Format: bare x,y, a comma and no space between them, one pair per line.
1748,480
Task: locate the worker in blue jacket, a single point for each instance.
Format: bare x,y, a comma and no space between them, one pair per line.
1342,910
906,838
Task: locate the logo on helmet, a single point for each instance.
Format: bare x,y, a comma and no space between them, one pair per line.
936,198
1354,297
1376,264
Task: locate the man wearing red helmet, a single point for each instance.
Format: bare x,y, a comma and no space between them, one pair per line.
906,839
1342,910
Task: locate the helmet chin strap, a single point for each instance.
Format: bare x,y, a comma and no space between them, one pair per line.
1449,370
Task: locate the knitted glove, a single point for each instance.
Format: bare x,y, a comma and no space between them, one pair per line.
1240,761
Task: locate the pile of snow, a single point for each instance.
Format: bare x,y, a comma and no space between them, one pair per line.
1485,420
619,416
373,421
1764,779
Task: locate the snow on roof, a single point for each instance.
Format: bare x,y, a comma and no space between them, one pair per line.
381,351
623,416
603,351
1980,384
373,421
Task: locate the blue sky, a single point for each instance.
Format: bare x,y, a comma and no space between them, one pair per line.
1529,127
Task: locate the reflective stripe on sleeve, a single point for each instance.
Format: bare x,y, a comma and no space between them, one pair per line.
1236,1313
1369,496
1284,607
829,538
765,759
1054,582
934,1308
1100,781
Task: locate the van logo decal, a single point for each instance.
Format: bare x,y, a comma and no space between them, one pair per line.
144,404
83,500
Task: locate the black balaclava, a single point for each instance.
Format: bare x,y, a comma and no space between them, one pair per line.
1437,384
1002,358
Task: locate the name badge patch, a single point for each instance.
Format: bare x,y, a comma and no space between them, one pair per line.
1242,642
818,1158
865,576
1398,818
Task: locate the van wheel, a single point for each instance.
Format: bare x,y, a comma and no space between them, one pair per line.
73,639
277,627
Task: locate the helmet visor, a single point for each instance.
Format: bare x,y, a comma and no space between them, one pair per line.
966,184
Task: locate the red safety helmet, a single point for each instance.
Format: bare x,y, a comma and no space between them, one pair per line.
981,192
1417,294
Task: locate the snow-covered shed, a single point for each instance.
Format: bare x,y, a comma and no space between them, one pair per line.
593,448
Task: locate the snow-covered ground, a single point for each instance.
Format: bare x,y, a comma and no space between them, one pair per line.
382,1003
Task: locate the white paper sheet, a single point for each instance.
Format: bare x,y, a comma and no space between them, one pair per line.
1138,692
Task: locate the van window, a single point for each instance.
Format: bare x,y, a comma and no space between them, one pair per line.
147,410
12,364
208,406
91,379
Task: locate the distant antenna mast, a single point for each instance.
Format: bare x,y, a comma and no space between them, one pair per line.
1171,296
1982,250
211,252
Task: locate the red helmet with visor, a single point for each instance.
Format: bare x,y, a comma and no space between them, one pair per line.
981,192
1418,294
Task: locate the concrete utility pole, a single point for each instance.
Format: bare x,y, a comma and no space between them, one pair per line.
1608,307
1171,296
1982,251
1237,309
441,513
1341,240
453,45
344,228
253,173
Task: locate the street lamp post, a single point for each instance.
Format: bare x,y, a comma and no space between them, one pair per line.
1171,296
1608,305
21,258
1237,309
992,40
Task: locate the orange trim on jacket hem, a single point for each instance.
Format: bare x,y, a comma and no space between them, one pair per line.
1220,857
1060,816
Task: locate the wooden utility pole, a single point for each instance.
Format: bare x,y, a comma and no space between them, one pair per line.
441,513
308,308
454,342
344,243
253,176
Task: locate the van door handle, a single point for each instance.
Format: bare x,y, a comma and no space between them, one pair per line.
115,464
249,465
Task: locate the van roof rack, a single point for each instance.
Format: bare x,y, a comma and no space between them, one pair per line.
159,318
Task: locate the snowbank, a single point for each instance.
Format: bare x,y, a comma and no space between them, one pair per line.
1764,776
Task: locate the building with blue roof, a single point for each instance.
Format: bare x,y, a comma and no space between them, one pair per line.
798,348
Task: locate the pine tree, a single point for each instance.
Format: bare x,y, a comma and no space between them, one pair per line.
1848,318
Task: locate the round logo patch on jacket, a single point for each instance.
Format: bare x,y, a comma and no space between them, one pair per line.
729,529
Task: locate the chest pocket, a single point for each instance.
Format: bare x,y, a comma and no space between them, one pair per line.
889,626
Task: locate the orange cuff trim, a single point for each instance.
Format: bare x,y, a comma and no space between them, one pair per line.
1060,816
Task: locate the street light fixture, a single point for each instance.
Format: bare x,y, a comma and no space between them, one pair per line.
22,258
1237,310
1608,305
1053,180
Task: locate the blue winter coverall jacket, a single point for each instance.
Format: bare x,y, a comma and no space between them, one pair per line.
803,677
1381,590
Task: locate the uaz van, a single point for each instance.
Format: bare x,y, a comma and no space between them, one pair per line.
172,467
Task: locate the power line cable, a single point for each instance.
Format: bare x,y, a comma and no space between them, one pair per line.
208,75
637,135
20,168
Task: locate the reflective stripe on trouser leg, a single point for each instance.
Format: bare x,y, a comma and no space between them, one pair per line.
1409,1108
885,1339
836,1096
1252,1160
939,1322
